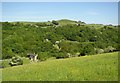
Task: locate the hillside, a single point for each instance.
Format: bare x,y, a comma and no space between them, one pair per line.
100,67
66,21
57,39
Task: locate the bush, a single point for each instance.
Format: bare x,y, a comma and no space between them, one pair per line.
42,56
99,51
61,55
82,54
55,22
5,63
109,49
16,61
87,49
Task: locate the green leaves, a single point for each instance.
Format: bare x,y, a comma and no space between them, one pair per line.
21,38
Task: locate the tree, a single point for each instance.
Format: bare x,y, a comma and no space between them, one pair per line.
55,22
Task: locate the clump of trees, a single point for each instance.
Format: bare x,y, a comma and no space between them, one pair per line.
61,42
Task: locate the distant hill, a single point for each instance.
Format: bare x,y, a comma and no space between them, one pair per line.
61,22
66,21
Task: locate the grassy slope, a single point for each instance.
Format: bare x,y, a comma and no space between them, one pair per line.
66,21
96,67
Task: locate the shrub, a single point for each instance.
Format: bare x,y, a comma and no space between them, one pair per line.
82,53
87,49
61,55
42,56
54,22
16,61
99,51
77,54
5,64
109,49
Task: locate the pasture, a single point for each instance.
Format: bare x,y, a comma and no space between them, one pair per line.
100,67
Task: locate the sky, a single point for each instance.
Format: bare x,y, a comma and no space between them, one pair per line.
89,12
59,0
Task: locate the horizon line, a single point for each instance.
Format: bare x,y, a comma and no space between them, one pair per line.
60,19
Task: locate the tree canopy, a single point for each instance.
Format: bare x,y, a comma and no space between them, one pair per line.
21,38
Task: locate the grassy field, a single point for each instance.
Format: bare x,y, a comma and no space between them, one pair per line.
96,67
65,22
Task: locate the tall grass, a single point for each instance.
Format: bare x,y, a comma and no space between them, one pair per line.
97,67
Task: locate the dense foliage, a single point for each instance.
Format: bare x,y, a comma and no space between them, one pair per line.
52,39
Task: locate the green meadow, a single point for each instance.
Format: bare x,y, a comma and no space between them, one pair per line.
100,67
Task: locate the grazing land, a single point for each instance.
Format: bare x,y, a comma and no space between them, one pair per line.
97,67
